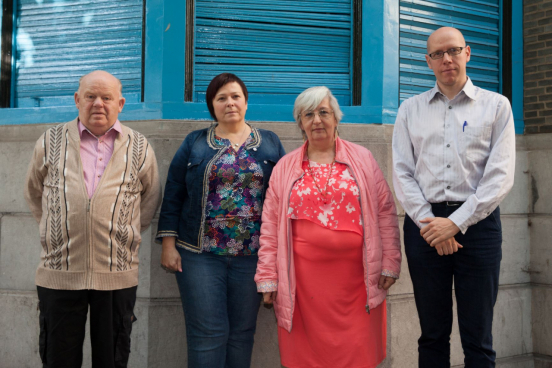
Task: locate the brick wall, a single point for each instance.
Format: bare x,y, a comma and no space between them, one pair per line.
537,31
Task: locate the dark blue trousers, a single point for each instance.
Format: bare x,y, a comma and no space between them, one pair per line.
474,270
221,303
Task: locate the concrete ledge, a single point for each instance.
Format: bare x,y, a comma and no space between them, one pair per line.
541,251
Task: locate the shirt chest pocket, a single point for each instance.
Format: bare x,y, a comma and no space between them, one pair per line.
475,143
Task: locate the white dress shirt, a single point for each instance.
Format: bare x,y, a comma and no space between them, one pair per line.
454,150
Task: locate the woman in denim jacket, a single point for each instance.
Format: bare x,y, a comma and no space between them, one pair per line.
210,225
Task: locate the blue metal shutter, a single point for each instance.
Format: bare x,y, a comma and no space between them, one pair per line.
478,20
278,48
59,41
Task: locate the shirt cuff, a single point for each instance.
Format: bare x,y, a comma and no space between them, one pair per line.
267,286
390,274
422,225
460,219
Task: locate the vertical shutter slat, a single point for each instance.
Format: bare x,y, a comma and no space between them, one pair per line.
277,48
58,42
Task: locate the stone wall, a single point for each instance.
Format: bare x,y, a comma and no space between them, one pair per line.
537,51
523,316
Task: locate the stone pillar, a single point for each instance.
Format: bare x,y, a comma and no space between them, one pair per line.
539,151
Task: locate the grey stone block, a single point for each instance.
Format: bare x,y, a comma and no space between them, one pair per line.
19,252
162,284
265,350
517,201
403,331
14,161
166,336
515,250
542,319
144,269
20,330
512,322
404,283
541,177
164,149
541,251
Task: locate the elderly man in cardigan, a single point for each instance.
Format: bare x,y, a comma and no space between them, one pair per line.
93,186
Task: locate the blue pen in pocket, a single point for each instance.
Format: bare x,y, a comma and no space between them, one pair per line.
464,126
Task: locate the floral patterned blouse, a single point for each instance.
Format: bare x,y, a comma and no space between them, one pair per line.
342,210
233,208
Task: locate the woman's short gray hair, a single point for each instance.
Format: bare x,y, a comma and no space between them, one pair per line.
310,98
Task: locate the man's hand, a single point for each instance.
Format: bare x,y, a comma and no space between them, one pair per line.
447,247
385,282
438,230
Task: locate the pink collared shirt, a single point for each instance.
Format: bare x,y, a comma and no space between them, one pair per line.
95,154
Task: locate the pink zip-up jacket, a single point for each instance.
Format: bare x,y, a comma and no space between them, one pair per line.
381,249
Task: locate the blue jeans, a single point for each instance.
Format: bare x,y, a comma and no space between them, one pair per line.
475,270
221,303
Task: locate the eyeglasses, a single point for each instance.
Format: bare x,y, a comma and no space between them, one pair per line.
325,115
440,54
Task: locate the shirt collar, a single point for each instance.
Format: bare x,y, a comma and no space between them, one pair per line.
468,89
116,127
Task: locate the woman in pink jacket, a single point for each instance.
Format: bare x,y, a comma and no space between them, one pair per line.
329,246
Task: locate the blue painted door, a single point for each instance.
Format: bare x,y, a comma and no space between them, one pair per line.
478,20
58,41
278,48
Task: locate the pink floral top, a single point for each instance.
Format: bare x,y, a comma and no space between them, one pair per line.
340,210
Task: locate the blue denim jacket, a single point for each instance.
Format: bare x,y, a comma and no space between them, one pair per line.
183,209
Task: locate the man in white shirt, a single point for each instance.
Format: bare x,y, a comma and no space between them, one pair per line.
453,161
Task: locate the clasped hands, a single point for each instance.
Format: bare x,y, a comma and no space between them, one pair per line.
439,233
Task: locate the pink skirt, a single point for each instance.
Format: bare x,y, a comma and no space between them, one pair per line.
330,326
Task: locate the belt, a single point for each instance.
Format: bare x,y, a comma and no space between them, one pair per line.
448,204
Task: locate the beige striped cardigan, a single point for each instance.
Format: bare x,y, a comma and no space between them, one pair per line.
91,243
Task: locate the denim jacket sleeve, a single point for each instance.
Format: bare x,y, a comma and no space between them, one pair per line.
175,191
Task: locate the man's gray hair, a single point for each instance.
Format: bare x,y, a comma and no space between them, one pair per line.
310,98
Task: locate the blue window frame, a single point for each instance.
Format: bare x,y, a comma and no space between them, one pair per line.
56,42
164,78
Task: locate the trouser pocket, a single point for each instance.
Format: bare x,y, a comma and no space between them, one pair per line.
122,343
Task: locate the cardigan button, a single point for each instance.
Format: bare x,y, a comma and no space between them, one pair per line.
189,164
254,149
265,162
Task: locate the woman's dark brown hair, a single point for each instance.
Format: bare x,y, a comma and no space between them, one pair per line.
217,83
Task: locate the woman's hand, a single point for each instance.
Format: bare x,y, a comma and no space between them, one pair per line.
385,282
170,258
268,298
